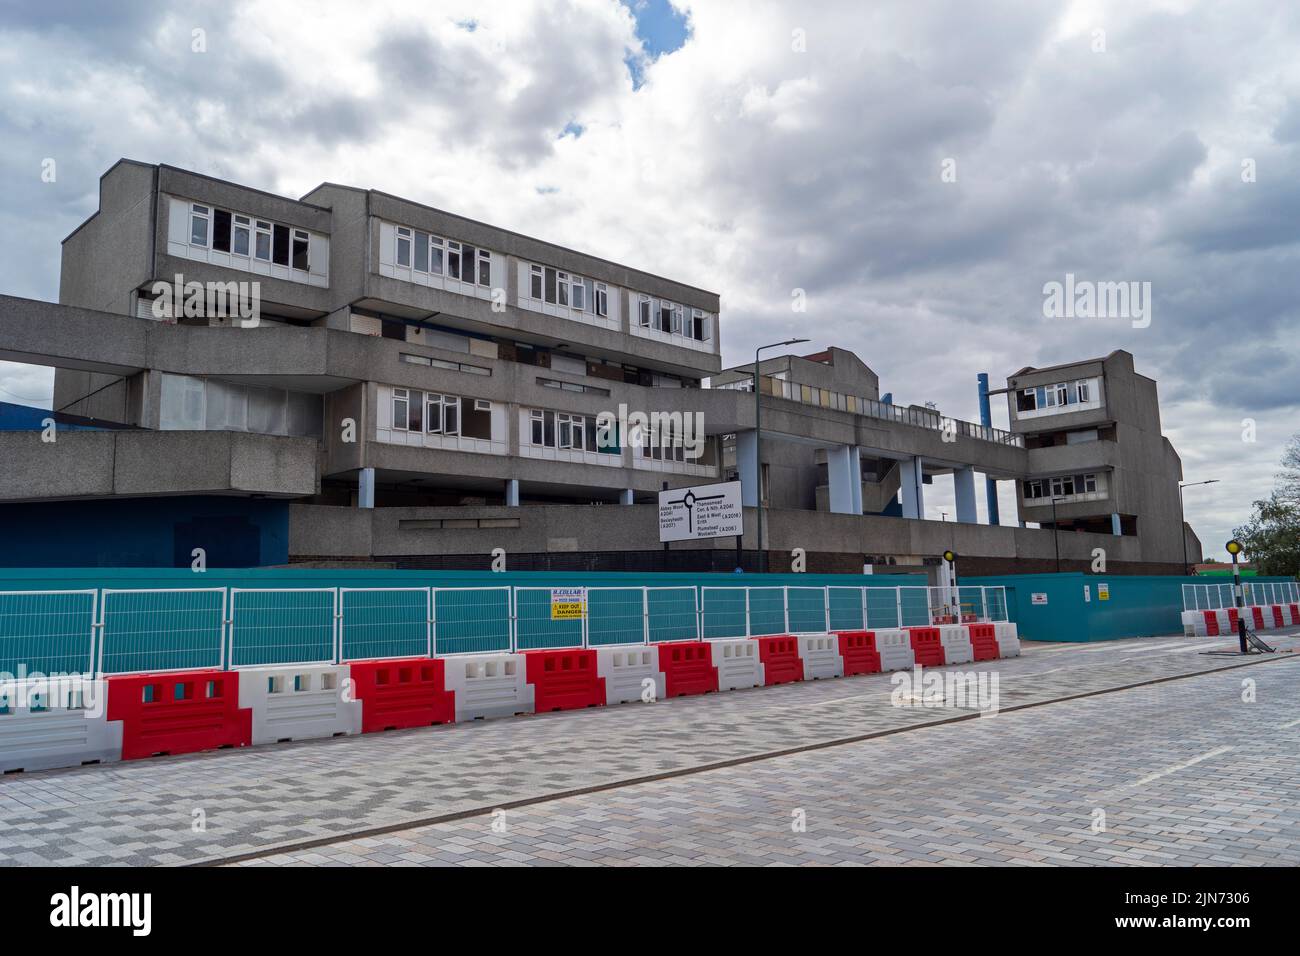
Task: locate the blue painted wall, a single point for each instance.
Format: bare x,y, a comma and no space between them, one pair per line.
56,578
1139,605
144,533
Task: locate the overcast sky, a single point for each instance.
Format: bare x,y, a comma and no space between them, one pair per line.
752,149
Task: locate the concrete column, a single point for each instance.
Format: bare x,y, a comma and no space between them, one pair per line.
963,480
910,482
512,492
366,488
839,470
1114,524
855,470
625,496
747,465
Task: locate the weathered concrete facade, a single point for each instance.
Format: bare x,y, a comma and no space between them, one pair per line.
422,384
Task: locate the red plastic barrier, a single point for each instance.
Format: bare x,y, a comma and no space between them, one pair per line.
781,661
564,679
178,713
858,648
1258,614
1278,619
926,646
407,692
984,641
1211,623
1295,613
1233,619
688,668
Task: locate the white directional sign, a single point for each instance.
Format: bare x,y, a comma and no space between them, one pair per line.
704,511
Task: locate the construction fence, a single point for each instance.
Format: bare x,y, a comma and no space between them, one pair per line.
120,631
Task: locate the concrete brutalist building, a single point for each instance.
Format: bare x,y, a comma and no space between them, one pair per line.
419,389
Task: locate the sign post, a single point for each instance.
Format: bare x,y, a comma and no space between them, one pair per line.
1234,549
700,512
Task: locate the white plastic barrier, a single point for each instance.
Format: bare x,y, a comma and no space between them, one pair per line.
820,654
895,648
957,648
626,670
737,662
299,702
489,685
1008,639
60,736
1194,624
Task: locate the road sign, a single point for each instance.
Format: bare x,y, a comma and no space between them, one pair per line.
702,511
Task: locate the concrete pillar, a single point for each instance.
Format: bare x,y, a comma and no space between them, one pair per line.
366,488
1114,524
512,492
747,465
855,469
910,481
963,481
625,496
839,469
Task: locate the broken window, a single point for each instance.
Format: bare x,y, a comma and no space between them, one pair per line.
478,420
220,230
280,245
301,244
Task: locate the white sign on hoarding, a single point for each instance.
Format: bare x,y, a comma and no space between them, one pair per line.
702,511
1038,597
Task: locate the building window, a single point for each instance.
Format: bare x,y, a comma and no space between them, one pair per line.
562,288
280,244
400,403
242,235
301,244
1089,483
550,286
476,420
199,220
404,247
453,260
602,299
643,311
535,282
220,230
1085,390
484,267
537,420
263,241
421,258
579,294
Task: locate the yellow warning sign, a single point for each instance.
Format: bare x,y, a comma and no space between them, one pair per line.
568,604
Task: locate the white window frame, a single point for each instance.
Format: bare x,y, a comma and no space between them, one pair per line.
241,224
602,300
405,237
484,258
578,294
1083,388
401,423
437,246
263,229
200,213
645,312
536,283
537,423
562,288
294,236
1090,483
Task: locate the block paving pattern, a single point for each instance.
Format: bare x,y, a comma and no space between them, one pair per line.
260,799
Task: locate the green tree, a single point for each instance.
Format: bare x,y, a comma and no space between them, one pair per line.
1271,538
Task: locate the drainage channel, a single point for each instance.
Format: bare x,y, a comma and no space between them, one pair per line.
364,832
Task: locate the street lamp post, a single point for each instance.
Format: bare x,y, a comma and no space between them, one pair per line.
1182,531
758,445
1056,533
1234,549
